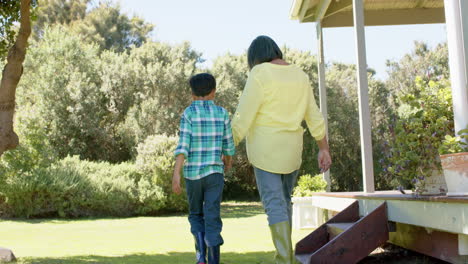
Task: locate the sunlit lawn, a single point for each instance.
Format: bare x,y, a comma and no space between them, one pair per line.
138,240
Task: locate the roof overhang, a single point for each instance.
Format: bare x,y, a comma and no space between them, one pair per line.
339,13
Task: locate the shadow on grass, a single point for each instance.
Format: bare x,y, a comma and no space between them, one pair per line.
228,210
171,257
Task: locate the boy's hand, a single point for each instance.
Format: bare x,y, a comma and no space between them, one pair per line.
227,160
176,183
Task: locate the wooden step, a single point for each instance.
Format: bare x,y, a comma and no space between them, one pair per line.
320,236
334,229
345,238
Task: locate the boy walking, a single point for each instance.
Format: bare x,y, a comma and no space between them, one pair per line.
205,140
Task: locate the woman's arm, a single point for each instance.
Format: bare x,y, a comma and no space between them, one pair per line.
247,109
316,124
313,116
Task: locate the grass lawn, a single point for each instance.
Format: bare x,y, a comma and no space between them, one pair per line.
155,240
138,240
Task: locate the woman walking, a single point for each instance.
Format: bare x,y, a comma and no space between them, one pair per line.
276,99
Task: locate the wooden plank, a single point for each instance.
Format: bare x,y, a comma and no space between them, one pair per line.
463,244
357,242
338,6
437,244
441,216
444,216
363,97
321,9
336,204
457,48
464,18
334,229
340,226
295,8
322,91
395,195
312,242
350,214
320,236
305,11
387,17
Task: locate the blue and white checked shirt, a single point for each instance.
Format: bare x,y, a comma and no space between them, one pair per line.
205,134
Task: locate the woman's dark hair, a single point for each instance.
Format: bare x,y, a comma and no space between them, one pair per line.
263,49
202,84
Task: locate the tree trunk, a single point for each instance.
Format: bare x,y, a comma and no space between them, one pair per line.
10,77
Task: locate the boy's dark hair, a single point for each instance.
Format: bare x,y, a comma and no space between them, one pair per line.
263,49
202,84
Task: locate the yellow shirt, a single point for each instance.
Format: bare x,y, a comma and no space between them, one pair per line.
275,100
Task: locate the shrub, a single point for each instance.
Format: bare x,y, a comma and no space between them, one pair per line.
156,161
73,188
307,185
425,116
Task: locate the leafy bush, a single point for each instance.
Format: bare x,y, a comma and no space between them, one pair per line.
425,116
75,188
458,144
307,185
156,161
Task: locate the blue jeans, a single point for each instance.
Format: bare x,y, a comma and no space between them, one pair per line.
275,191
204,199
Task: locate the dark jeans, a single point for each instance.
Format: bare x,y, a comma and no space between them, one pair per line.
204,198
275,191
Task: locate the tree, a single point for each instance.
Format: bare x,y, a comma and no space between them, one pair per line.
103,24
64,12
422,62
14,67
108,27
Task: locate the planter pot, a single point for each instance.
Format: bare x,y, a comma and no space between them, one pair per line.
435,184
456,173
305,215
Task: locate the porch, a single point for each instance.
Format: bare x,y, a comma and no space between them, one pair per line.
433,225
436,226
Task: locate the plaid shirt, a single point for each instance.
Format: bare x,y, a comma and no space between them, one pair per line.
205,134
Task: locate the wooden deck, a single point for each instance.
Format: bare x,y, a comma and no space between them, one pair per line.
396,195
433,225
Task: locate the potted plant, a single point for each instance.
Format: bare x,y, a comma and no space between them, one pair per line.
305,214
454,158
424,116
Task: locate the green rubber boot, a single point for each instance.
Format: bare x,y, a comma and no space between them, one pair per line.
281,235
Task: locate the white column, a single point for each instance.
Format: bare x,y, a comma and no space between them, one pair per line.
456,19
322,90
364,111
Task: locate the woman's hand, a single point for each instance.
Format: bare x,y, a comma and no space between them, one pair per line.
324,158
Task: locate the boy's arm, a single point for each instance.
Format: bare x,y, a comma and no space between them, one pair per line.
176,176
227,160
228,144
181,152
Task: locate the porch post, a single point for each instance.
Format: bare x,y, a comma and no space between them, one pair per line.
364,111
456,19
322,90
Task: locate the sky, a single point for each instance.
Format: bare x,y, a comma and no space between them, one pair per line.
216,27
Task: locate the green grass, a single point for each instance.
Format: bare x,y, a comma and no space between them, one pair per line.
138,240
